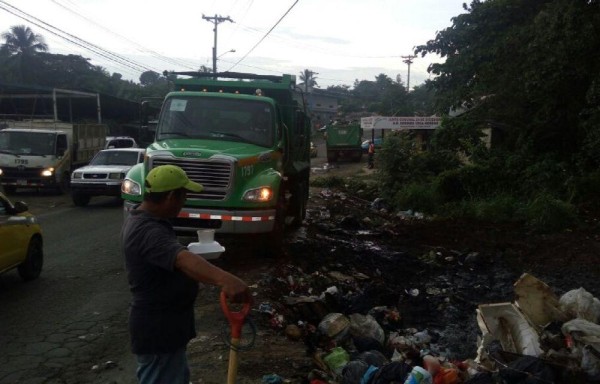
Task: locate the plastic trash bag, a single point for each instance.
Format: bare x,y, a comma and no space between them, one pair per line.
366,326
353,372
394,372
580,303
374,358
334,325
336,360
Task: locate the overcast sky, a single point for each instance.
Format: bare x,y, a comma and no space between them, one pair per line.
341,40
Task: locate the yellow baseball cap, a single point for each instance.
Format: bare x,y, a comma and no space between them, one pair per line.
168,178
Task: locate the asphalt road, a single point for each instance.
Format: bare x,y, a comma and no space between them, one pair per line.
69,326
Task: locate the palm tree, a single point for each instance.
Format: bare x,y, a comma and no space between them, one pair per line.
22,47
309,80
22,40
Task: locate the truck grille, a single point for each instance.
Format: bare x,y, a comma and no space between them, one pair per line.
215,176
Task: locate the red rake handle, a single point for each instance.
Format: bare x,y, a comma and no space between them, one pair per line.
236,319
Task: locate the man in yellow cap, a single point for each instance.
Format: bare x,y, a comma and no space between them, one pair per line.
163,278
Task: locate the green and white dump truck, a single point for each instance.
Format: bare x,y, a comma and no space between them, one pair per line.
246,139
343,140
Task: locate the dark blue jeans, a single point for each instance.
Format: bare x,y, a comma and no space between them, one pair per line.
165,368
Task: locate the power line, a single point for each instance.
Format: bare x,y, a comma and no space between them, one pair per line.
74,39
144,49
265,36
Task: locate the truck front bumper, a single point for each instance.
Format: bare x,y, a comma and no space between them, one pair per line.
97,189
221,220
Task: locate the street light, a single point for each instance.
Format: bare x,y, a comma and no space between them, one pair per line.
221,55
224,53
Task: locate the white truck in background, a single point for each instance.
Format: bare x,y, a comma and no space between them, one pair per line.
42,151
42,154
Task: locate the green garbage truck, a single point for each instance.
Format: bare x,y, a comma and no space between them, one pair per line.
246,139
343,140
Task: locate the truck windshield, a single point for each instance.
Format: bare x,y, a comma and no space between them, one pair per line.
249,121
28,143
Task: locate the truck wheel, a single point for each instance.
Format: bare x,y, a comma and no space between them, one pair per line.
80,199
31,268
65,184
272,243
332,156
298,204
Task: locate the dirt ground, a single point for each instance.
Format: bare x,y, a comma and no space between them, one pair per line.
434,274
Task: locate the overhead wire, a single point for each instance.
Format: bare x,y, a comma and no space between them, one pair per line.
155,54
265,36
74,39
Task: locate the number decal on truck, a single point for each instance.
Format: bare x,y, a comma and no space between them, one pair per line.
247,170
21,161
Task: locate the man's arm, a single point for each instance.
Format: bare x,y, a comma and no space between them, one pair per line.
199,269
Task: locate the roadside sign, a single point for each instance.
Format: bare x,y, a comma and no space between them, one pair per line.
400,122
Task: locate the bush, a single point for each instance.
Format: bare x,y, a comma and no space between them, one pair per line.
547,214
468,182
502,208
418,197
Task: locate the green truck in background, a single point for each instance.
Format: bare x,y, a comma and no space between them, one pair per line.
246,139
343,140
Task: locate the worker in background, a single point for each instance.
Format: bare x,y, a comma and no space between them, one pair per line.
371,155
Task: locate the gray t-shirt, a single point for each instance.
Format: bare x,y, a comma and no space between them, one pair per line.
161,318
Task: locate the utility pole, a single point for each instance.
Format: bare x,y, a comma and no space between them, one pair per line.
408,60
216,20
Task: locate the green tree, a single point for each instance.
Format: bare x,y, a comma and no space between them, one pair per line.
525,67
21,50
149,78
309,80
383,96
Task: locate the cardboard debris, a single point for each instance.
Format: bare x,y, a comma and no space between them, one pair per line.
537,301
504,322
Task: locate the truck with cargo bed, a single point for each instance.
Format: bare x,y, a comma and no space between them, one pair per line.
246,139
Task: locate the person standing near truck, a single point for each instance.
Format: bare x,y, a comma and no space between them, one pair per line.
371,155
163,278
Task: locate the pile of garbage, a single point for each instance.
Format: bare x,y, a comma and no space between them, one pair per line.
537,338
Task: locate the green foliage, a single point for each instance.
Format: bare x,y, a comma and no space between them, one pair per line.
401,162
24,61
547,214
524,67
383,96
419,197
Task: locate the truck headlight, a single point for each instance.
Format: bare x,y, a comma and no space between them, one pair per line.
116,175
77,175
48,172
262,194
1,172
130,187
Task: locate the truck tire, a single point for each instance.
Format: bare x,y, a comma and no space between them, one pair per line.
272,243
299,202
332,156
64,184
31,268
80,199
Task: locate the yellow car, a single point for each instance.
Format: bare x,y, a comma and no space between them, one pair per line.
21,242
